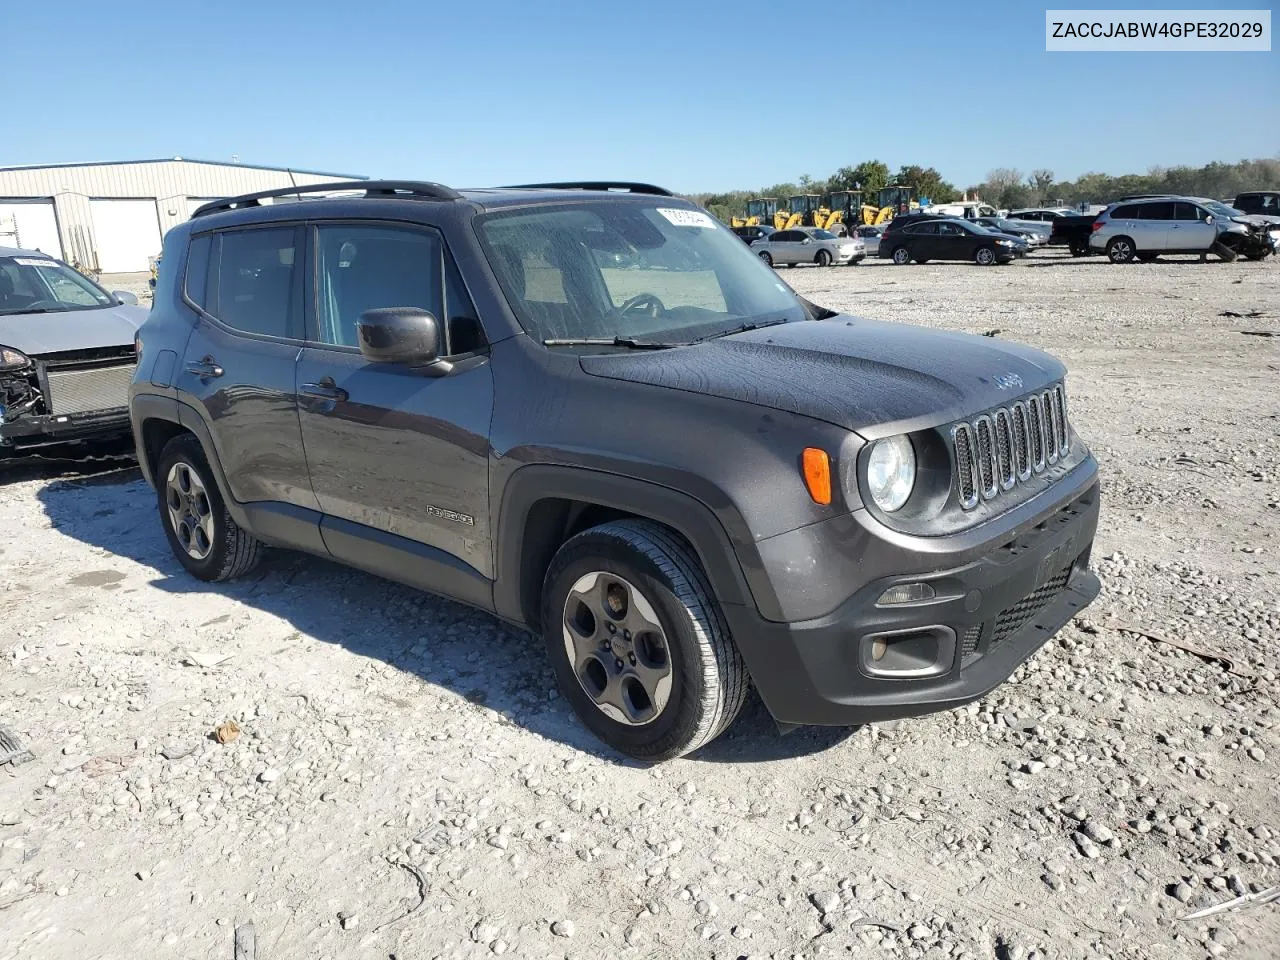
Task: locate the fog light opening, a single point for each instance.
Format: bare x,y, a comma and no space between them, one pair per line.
878,648
906,593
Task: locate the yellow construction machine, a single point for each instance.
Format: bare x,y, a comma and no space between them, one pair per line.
760,210
845,208
894,199
806,210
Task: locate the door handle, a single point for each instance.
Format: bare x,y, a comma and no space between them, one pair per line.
326,389
205,368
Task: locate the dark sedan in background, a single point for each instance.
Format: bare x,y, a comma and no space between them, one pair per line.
949,238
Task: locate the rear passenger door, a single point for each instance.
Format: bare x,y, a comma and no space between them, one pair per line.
1188,232
1152,226
393,449
238,371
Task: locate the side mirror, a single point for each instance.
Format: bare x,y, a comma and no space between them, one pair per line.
1209,218
408,335
124,296
807,240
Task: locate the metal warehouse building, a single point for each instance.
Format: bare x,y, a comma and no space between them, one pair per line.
109,217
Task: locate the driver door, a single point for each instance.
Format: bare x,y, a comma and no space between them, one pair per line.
390,448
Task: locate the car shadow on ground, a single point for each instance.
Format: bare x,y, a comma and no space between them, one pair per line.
486,662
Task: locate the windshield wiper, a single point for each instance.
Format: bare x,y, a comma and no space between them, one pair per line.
743,328
14,313
608,342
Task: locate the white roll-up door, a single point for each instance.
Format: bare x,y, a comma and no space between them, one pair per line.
127,232
31,225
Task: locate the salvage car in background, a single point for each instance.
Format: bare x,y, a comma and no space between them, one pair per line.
949,238
1147,227
66,354
809,245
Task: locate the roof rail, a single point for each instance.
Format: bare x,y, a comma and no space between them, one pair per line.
407,189
596,185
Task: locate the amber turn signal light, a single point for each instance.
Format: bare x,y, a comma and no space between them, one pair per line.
817,474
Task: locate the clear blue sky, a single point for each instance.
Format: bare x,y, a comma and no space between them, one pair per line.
695,95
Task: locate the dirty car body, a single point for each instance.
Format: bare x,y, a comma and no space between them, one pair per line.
66,354
885,520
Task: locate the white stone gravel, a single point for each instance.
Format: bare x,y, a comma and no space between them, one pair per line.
406,782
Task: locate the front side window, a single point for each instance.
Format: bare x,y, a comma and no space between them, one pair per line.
252,284
363,267
40,285
629,268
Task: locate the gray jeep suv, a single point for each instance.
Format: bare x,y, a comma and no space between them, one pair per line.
592,411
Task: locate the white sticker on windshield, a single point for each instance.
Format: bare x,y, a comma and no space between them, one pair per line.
32,262
687,218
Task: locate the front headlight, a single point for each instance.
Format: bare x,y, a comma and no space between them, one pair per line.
11,359
1004,243
891,472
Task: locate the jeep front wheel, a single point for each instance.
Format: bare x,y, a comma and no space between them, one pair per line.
638,642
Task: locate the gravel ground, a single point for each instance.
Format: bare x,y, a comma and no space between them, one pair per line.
406,783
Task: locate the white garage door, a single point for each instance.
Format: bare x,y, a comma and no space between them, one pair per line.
127,232
31,225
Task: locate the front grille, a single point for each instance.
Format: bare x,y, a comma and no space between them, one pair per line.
1014,618
89,390
966,480
999,449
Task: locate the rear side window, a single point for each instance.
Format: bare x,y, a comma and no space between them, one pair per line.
197,278
1126,211
1160,210
253,281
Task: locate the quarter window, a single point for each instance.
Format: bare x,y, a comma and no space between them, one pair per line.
253,287
196,280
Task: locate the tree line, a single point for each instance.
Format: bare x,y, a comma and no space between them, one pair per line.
1006,187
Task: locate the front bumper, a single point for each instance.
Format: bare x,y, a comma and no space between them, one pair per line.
990,614
28,432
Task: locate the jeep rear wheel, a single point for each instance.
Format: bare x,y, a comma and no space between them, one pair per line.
638,642
202,534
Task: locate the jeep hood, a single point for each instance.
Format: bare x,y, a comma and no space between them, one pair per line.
864,375
36,334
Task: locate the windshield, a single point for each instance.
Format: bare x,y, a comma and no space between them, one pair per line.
1221,209
41,285
630,269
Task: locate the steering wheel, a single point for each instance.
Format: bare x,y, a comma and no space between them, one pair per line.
644,302
42,304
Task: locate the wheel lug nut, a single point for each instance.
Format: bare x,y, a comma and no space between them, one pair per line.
612,628
632,658
626,634
618,663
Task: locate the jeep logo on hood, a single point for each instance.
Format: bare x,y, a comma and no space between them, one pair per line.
1007,381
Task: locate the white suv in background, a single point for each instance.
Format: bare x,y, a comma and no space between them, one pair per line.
1148,227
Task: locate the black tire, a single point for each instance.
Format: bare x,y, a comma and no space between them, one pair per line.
823,259
709,680
1222,251
1148,257
232,551
764,255
1079,249
1121,250
984,256
901,256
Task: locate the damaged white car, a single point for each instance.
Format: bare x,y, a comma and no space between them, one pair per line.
66,354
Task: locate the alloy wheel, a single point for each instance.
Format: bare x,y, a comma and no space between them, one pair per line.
617,647
189,512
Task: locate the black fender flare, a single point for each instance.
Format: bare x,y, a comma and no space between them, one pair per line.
736,574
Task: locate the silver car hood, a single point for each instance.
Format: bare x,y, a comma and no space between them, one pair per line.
37,334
